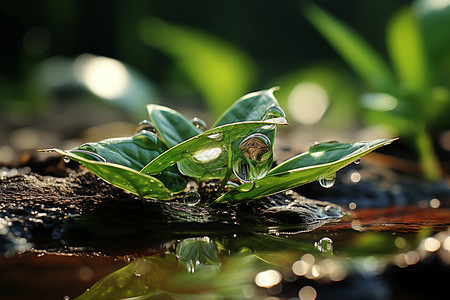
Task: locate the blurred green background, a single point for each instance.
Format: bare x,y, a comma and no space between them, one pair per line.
74,70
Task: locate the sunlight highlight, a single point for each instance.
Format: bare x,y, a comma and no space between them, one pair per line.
106,77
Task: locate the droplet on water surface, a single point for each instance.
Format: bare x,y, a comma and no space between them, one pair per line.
199,123
192,198
324,245
327,182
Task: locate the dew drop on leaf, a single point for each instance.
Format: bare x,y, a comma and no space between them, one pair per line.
327,182
146,125
199,123
66,159
246,187
218,136
357,161
192,198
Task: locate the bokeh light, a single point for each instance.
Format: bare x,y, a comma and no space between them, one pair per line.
106,77
307,103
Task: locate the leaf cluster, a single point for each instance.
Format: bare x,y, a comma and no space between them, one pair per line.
169,150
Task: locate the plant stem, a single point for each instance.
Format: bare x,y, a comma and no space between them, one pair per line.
228,173
429,162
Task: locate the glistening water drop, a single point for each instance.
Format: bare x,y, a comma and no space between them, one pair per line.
327,182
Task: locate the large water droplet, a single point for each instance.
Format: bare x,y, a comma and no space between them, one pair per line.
324,245
199,123
192,198
253,158
328,182
218,136
66,159
146,125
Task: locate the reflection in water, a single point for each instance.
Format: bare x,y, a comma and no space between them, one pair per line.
274,265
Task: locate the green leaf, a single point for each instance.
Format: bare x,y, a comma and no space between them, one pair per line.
173,127
133,152
257,106
322,161
220,71
215,140
407,51
140,184
252,155
358,54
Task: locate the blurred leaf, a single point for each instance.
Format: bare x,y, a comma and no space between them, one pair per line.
406,48
358,54
173,127
320,163
389,111
194,148
140,184
221,72
433,17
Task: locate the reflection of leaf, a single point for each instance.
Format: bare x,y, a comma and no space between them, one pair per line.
364,60
198,254
220,71
173,127
144,277
322,161
215,138
143,185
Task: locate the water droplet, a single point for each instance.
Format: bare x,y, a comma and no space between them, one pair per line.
141,267
218,136
324,245
146,125
246,186
327,182
253,158
207,155
66,159
199,123
192,198
357,161
186,153
315,143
